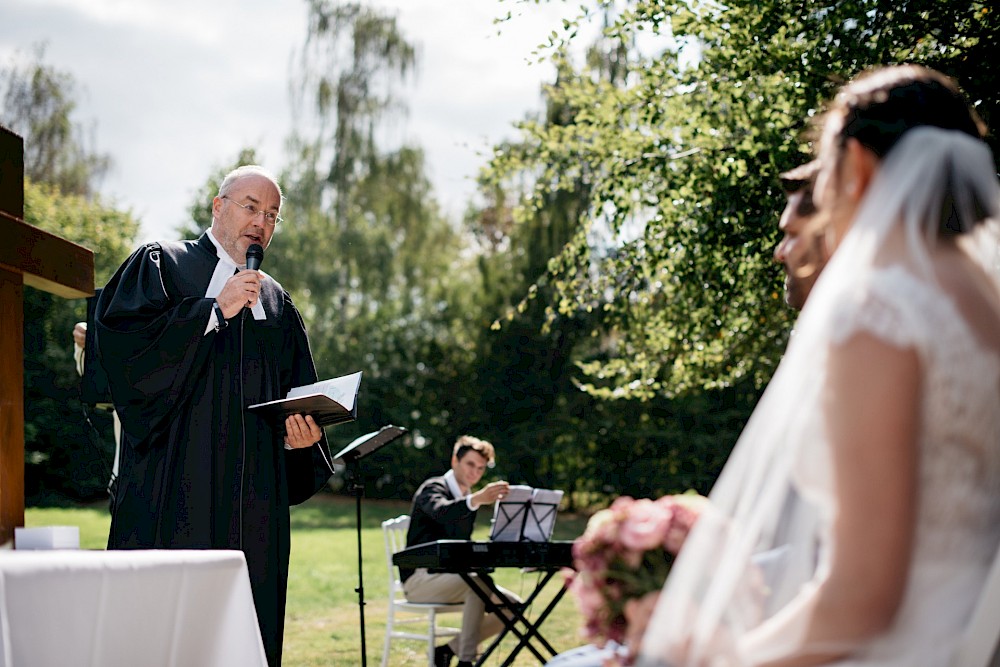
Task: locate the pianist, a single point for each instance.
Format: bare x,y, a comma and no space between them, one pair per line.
444,508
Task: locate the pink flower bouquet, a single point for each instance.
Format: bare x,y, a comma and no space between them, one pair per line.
625,554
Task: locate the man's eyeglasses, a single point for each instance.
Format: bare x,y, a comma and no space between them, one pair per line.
269,217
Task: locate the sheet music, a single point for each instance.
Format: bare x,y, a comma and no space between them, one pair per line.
541,519
510,514
525,515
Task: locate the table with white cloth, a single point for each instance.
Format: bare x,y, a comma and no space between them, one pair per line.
126,608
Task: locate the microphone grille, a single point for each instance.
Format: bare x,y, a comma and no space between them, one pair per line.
255,255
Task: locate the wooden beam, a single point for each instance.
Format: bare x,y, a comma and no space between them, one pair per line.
11,404
48,262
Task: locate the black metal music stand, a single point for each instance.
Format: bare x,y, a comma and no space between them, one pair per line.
359,448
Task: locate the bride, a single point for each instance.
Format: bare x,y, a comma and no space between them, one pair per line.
859,513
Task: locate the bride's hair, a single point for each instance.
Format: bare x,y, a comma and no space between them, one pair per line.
881,105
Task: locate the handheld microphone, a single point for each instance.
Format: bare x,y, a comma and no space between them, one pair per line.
255,255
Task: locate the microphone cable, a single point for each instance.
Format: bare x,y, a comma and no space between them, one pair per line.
254,256
243,427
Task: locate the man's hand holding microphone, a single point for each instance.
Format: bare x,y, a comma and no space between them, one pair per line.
242,289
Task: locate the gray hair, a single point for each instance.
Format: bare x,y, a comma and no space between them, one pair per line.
248,170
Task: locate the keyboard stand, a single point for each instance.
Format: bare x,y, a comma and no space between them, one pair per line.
478,559
531,629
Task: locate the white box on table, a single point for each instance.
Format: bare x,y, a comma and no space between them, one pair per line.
47,537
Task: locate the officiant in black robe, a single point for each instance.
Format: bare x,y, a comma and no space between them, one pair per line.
189,339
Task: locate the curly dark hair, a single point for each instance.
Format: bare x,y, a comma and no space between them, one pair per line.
468,443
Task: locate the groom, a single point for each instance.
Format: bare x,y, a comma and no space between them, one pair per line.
801,251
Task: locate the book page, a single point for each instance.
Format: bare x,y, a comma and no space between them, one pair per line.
343,390
541,520
510,514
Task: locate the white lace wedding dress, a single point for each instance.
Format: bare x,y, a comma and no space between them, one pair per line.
958,516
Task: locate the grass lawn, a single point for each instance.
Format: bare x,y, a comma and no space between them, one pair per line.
322,622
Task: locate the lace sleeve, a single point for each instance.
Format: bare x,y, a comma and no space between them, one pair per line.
887,308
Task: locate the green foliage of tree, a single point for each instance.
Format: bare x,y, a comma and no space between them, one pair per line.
670,136
68,446
523,373
377,271
681,158
550,431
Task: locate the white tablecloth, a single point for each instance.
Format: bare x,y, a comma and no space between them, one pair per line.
127,608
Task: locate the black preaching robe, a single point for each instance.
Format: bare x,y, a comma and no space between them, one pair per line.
198,471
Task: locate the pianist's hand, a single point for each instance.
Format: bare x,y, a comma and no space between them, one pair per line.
490,493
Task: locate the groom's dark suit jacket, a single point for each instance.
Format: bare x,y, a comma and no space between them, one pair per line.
437,515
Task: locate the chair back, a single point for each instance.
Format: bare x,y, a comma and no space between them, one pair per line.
394,533
417,613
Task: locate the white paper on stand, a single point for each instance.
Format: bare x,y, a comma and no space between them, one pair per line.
510,514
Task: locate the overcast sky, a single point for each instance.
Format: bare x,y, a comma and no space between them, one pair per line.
174,89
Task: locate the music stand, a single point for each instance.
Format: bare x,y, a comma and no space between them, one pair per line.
359,448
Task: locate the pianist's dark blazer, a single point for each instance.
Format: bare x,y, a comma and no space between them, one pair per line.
437,515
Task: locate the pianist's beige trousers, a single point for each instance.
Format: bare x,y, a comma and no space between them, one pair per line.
477,625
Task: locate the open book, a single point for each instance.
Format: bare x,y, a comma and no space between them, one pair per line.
330,402
525,515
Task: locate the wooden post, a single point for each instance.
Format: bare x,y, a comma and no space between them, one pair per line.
28,256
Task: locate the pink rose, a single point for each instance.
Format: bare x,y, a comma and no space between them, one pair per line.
686,509
587,596
602,529
645,526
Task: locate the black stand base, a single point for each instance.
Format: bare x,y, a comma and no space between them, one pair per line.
350,456
359,491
